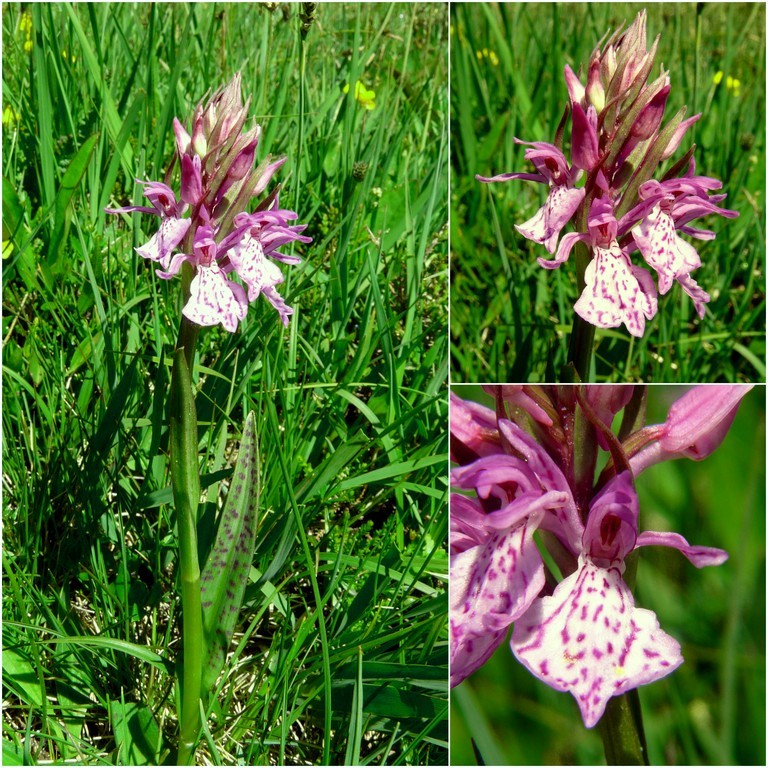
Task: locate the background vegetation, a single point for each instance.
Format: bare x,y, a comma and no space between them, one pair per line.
350,400
510,319
711,710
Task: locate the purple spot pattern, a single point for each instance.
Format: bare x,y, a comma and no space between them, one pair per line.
613,293
663,249
491,585
545,225
603,651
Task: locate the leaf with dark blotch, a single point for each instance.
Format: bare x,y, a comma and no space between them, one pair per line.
225,574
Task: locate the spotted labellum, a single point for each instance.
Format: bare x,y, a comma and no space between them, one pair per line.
530,467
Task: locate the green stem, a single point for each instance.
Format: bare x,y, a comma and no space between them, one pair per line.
583,333
621,728
185,482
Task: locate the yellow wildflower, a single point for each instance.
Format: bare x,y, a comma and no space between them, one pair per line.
10,116
363,96
25,27
718,78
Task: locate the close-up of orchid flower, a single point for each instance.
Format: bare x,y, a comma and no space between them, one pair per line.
546,529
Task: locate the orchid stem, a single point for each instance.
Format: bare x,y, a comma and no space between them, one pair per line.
185,482
621,728
582,333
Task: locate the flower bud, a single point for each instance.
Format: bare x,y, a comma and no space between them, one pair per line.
699,421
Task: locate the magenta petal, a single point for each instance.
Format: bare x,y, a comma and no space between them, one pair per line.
191,180
576,90
473,426
584,144
491,585
589,639
699,556
611,529
699,420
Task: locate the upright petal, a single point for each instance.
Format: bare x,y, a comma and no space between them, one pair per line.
589,639
584,143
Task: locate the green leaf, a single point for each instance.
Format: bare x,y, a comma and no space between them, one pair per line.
20,675
136,733
226,571
12,755
12,210
69,183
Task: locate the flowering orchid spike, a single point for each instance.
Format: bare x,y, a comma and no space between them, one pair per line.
563,200
220,239
619,138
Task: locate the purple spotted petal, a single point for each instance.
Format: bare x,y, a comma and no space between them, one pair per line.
613,293
491,585
213,299
698,295
170,233
278,302
467,524
256,271
589,639
670,255
544,227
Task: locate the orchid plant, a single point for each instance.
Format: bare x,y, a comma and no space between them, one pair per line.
226,256
607,192
544,524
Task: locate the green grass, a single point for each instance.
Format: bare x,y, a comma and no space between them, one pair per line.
350,400
510,319
711,710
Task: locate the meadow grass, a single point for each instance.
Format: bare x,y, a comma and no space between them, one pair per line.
340,656
709,711
510,319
